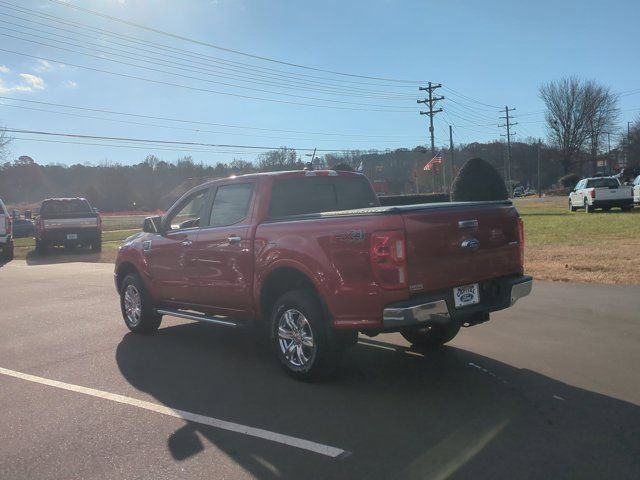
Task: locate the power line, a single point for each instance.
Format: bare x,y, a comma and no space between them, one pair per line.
297,84
127,146
196,122
449,89
229,50
162,142
190,77
195,130
189,87
128,38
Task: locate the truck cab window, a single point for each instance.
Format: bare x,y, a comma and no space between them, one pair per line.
189,213
231,204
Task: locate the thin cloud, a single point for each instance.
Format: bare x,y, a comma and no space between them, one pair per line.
42,66
25,82
13,88
33,81
70,84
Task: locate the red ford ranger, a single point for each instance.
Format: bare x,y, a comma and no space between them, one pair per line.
314,256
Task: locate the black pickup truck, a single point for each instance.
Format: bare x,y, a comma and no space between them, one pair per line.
68,222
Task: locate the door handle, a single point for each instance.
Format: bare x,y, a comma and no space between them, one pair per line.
186,243
233,239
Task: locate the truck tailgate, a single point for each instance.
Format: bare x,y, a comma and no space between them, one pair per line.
70,223
619,193
459,244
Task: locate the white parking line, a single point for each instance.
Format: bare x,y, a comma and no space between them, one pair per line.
191,417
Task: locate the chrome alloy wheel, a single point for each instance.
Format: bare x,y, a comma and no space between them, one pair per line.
132,305
295,338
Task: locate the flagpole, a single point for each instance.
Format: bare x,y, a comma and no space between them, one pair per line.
444,173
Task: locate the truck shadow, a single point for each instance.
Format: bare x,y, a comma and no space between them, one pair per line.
60,255
400,413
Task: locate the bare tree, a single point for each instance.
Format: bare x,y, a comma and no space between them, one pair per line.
578,113
240,166
282,159
601,108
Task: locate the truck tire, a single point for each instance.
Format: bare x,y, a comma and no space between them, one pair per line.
41,247
433,336
136,306
299,332
571,207
587,208
7,252
96,245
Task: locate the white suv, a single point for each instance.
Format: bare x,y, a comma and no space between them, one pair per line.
6,239
636,190
600,192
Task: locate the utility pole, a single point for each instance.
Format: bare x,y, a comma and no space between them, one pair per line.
539,190
430,101
508,124
627,152
451,159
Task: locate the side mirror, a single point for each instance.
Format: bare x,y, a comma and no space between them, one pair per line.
152,224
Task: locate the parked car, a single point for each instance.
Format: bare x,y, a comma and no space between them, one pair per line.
518,192
6,236
23,228
600,192
636,190
68,222
313,256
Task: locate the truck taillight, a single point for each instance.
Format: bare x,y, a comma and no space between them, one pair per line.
7,225
521,240
389,259
593,193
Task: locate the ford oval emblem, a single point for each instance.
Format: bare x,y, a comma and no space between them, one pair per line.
466,297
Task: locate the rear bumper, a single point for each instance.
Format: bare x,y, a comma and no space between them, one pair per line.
59,236
439,308
623,202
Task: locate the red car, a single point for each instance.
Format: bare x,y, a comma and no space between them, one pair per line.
314,256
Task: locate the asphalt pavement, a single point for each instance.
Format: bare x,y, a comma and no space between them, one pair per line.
547,389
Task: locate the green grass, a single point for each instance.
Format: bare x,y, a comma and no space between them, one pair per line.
108,237
122,222
547,221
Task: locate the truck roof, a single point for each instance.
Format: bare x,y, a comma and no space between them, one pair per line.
63,199
288,174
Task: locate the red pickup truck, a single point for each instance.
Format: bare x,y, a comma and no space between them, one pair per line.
314,256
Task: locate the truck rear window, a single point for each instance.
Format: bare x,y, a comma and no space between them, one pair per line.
302,195
603,183
62,207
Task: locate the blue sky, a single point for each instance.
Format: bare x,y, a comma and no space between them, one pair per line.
486,55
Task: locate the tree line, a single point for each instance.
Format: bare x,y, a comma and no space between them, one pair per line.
155,183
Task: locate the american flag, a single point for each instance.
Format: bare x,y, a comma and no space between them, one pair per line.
437,160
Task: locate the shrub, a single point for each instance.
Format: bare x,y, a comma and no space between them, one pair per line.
569,181
478,180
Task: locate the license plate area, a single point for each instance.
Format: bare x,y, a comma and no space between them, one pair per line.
72,236
466,295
